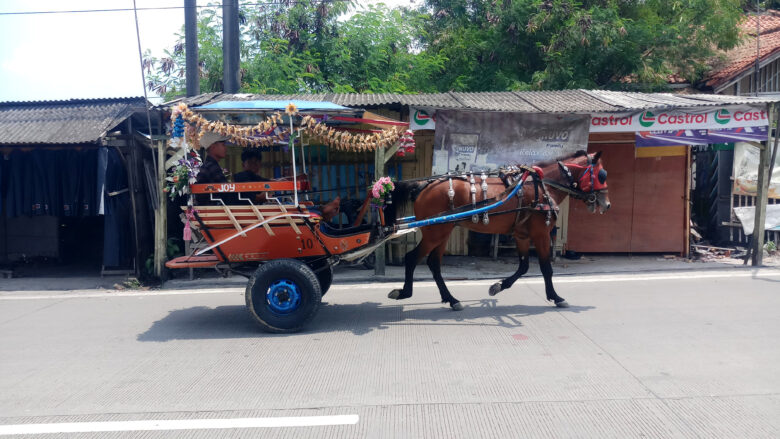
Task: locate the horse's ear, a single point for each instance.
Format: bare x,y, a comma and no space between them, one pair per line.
596,157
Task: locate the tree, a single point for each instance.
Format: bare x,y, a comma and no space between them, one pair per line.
553,44
301,47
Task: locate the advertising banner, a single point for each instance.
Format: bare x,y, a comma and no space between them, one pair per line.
476,141
701,136
704,118
422,119
746,158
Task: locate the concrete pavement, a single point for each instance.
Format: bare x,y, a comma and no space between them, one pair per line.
671,354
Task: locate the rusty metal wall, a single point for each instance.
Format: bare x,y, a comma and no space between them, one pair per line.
648,199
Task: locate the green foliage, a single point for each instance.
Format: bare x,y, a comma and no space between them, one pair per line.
555,44
302,47
463,45
172,250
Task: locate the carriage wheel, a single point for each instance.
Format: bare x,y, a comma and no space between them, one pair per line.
324,272
325,276
283,295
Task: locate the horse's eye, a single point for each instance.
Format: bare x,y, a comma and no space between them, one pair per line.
602,176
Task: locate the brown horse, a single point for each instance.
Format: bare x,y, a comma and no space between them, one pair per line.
580,175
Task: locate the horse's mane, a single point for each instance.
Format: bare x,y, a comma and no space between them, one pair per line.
555,161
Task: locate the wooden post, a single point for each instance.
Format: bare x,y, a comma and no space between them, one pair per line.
160,214
687,201
762,190
379,171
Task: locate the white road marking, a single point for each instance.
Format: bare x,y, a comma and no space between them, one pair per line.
185,424
564,279
79,295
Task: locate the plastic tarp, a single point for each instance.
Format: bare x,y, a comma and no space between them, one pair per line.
746,159
747,216
115,204
46,182
476,141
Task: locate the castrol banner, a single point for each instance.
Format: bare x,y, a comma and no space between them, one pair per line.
732,116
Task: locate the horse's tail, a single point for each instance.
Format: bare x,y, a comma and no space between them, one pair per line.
404,191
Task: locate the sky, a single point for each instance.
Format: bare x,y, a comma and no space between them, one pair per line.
85,55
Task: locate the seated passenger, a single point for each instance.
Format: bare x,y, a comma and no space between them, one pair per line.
211,171
251,160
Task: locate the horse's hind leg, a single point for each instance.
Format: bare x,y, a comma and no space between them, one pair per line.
522,250
544,251
434,263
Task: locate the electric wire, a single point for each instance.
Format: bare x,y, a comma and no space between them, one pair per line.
161,8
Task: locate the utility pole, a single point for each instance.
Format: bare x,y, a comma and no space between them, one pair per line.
191,47
762,188
758,49
230,47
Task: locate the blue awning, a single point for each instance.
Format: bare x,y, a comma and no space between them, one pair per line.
273,105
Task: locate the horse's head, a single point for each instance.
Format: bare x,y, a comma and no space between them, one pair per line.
587,180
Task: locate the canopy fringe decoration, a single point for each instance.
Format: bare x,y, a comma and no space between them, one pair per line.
271,131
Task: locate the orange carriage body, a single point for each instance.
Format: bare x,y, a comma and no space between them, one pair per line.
259,233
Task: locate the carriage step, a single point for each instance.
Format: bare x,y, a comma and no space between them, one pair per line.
203,261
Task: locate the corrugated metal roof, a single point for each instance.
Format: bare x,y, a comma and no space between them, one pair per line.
63,122
565,101
561,101
496,101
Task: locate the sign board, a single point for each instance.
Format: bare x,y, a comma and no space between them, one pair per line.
701,118
476,141
701,136
422,119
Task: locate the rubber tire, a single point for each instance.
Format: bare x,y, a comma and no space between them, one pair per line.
325,276
258,285
369,263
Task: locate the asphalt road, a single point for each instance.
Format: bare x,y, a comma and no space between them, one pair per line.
687,354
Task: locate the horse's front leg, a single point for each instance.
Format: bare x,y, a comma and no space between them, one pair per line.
544,251
522,250
434,263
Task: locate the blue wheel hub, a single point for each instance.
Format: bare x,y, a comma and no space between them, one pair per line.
283,296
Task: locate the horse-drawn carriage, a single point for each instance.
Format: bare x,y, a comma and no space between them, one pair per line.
287,250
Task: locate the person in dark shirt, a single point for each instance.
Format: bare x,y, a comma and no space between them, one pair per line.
251,161
211,171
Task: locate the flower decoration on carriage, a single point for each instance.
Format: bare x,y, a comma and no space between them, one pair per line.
406,144
381,191
177,130
291,109
182,173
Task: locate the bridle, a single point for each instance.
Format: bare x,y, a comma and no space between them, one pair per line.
591,183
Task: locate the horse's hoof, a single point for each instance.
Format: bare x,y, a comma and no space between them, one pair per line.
562,304
495,289
398,295
456,306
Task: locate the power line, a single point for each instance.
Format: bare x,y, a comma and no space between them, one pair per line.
160,8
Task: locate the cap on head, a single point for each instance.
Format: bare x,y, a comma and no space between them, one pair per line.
210,138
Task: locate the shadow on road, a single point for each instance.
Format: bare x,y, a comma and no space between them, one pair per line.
234,321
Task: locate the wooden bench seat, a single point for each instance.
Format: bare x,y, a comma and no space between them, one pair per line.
240,216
